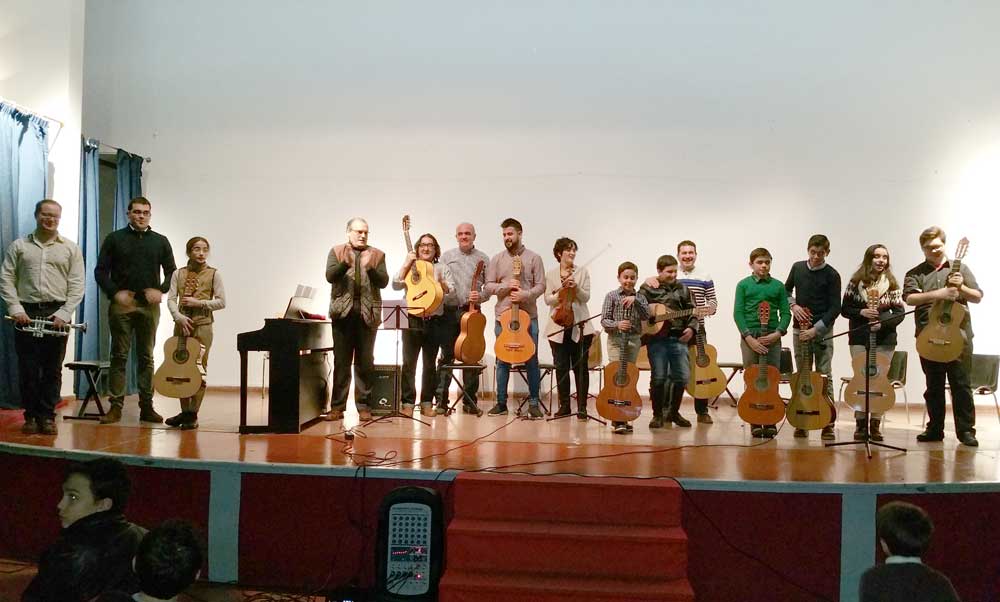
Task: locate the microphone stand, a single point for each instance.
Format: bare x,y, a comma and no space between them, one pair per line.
866,439
393,320
573,369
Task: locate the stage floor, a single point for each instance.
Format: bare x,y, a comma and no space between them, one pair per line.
723,451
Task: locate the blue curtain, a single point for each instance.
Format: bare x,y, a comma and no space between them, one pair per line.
88,344
24,167
128,186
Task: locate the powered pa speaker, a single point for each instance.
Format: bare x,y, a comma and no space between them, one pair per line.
384,400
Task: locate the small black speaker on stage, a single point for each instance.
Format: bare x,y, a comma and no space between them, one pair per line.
384,400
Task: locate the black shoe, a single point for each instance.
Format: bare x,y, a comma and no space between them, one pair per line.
656,422
756,431
876,434
175,420
498,410
190,421
114,415
770,431
930,436
620,428
828,433
535,412
581,415
968,439
148,414
680,420
563,410
704,419
47,426
628,427
801,434
30,426
859,430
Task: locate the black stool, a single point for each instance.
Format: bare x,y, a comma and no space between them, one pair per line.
477,368
93,372
736,368
546,371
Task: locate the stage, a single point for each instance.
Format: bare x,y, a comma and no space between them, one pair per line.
781,519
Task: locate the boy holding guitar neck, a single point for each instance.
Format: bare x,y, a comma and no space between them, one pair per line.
750,292
814,295
934,281
668,352
621,316
523,291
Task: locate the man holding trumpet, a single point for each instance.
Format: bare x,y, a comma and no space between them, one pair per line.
128,271
42,278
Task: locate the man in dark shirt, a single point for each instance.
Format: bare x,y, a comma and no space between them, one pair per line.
128,271
814,295
94,551
931,281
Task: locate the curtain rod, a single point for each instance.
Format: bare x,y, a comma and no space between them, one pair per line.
25,109
92,142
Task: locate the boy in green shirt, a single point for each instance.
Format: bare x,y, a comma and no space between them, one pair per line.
750,292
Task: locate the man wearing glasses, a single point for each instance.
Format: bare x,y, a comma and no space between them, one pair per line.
357,273
42,277
128,271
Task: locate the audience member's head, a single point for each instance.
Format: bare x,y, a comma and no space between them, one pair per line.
904,529
91,487
168,559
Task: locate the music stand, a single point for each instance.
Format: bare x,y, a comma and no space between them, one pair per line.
572,370
394,317
866,439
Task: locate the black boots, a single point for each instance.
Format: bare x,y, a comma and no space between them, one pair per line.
676,392
657,394
873,429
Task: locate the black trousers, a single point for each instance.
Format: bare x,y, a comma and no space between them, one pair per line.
424,338
353,344
962,405
470,378
571,356
39,365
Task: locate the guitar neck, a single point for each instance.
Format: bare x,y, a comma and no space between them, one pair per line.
670,315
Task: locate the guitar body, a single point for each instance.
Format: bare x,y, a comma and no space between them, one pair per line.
180,375
651,325
707,379
881,394
760,402
514,344
942,340
423,292
619,399
809,408
471,342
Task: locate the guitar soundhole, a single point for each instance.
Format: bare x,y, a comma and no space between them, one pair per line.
621,378
181,356
807,391
702,361
945,318
873,371
515,325
762,383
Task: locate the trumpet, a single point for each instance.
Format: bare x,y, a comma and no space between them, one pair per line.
40,327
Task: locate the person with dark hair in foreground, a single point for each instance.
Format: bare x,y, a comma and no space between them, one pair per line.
904,532
94,496
168,561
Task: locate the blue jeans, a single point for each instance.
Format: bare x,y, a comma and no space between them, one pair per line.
531,366
668,360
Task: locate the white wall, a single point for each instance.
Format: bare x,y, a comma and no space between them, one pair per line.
41,68
640,124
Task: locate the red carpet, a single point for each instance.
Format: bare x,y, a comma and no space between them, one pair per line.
565,538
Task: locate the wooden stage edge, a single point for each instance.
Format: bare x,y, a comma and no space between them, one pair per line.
718,456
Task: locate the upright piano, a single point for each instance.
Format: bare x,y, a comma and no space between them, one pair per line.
299,382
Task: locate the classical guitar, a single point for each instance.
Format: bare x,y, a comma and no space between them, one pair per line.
881,395
514,344
423,292
181,374
760,402
619,399
660,313
471,342
942,339
707,380
809,408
